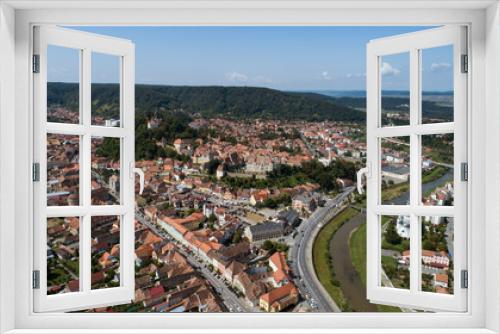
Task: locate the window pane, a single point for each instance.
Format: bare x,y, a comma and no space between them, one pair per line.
105,90
437,84
63,85
437,254
63,178
395,86
437,169
395,170
63,255
395,254
105,252
105,171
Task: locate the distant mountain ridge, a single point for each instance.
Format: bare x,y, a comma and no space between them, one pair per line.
362,93
212,101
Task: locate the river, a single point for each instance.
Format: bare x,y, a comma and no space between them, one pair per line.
404,198
350,282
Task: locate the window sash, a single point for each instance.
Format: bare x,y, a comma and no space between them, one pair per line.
86,43
413,43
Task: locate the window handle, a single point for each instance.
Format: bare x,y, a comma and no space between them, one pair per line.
138,171
359,177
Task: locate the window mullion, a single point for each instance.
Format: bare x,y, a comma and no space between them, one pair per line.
414,170
85,179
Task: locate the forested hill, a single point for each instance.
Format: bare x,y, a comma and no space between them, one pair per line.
212,101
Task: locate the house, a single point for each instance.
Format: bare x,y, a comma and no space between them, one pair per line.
441,280
233,269
191,222
183,146
290,217
259,196
280,298
305,202
433,259
280,268
251,290
153,123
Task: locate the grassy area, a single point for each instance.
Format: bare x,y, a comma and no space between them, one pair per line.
434,174
394,191
357,248
322,259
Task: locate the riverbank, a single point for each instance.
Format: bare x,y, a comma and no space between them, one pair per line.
322,258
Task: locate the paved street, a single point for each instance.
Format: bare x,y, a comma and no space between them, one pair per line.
301,255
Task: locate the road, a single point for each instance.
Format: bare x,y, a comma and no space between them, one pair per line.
301,254
232,302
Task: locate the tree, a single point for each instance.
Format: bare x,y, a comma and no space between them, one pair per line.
267,245
237,236
109,148
391,235
212,218
211,166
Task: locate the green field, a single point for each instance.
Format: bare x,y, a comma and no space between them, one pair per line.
322,260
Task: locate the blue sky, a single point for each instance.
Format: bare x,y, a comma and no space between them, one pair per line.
286,58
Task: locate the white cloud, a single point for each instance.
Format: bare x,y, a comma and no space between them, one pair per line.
326,75
388,70
236,77
436,67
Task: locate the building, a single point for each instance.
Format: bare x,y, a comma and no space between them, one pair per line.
264,231
183,146
191,222
280,298
259,164
403,226
433,259
221,171
396,173
305,202
280,268
290,217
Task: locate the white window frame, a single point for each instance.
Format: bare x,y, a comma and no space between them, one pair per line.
412,44
86,44
16,20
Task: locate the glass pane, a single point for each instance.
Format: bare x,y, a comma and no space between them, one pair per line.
63,85
437,84
395,87
105,252
105,90
395,253
437,254
63,178
395,170
437,169
63,264
105,170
